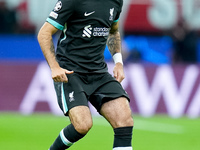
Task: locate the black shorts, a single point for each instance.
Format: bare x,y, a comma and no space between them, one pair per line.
81,88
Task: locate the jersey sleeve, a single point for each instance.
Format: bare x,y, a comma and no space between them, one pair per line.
61,13
118,12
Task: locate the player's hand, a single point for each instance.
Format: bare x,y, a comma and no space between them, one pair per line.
118,72
59,74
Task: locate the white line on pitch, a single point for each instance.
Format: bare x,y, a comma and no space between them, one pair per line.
158,127
147,126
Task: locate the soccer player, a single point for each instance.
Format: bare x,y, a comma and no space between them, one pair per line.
79,71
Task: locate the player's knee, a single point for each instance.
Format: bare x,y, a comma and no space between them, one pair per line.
129,121
84,127
124,122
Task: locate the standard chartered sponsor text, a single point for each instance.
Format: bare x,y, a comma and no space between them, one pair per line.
101,31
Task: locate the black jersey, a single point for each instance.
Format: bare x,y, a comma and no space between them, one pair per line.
85,26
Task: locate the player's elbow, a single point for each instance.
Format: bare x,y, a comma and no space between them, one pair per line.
43,36
40,35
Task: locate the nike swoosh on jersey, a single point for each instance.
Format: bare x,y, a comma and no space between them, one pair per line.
87,14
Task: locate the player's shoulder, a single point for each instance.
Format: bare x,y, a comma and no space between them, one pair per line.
120,2
66,2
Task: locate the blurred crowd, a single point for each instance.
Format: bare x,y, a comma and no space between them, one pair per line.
15,20
179,45
183,48
185,43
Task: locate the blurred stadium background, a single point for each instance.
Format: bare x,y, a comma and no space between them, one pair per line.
161,52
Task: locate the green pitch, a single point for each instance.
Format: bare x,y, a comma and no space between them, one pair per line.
38,131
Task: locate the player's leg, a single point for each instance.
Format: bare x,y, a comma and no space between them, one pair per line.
111,100
81,118
118,114
73,102
81,122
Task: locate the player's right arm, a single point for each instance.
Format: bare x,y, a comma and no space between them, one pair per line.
46,43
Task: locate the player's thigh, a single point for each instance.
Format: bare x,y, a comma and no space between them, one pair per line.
80,117
117,112
70,94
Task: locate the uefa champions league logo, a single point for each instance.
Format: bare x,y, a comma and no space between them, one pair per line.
58,6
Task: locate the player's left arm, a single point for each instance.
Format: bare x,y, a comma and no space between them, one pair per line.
114,46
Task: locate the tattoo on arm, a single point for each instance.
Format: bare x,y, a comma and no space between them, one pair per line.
114,43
